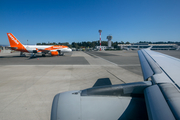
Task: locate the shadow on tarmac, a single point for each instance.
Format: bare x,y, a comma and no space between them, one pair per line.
11,56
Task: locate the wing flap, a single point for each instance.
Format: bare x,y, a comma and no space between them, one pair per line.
157,106
172,96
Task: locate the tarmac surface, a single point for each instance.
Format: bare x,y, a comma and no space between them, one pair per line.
16,59
28,86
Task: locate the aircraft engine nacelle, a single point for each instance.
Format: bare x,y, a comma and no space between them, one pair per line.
111,102
54,53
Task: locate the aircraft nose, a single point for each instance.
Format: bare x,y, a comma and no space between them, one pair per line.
70,50
66,50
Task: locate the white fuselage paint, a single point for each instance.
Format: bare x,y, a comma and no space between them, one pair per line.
30,48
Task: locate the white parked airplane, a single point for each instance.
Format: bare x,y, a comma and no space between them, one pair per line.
54,50
156,99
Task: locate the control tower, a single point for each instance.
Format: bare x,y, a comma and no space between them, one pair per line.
109,40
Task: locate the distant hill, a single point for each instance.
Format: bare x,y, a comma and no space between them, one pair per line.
4,45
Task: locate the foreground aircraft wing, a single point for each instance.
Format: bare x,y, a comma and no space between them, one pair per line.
163,97
156,98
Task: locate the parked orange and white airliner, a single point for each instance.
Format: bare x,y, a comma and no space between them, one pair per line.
54,50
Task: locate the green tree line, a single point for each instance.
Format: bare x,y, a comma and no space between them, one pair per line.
85,44
103,43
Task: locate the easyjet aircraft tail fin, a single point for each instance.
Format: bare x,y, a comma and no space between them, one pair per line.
14,42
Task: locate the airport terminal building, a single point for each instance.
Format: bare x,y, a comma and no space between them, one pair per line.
137,46
4,49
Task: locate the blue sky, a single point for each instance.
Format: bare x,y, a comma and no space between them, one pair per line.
79,20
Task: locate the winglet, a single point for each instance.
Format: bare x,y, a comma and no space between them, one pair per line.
149,48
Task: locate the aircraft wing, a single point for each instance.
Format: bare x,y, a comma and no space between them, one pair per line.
163,97
156,98
43,50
